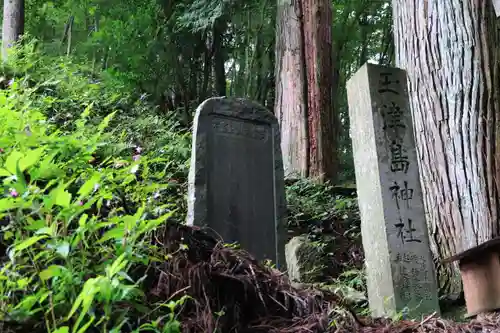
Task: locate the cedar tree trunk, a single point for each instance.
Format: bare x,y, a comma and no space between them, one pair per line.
449,50
304,85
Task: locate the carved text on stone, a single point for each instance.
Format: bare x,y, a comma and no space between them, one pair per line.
243,129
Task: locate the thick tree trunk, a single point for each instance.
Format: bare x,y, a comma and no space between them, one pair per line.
318,53
291,87
13,23
449,49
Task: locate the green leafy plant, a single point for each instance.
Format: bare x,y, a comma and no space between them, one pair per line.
77,215
309,201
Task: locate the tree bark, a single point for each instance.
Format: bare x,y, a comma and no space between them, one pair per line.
449,50
304,81
291,88
13,24
318,57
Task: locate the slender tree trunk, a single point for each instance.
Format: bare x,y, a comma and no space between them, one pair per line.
207,69
269,93
13,24
449,49
258,83
387,44
319,66
219,57
291,88
363,25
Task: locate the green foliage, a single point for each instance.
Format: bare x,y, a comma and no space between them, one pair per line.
79,206
309,201
332,225
166,49
59,88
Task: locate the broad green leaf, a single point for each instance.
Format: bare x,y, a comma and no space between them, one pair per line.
12,160
28,242
59,196
147,226
64,329
172,326
83,220
45,231
88,186
8,204
105,290
115,233
35,225
63,198
48,201
27,302
117,265
30,158
21,181
85,299
51,271
22,283
46,169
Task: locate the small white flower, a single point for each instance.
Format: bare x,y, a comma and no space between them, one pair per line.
134,169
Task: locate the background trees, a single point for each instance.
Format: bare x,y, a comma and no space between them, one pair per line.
179,54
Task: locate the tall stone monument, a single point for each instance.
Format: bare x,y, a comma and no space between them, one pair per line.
236,181
400,270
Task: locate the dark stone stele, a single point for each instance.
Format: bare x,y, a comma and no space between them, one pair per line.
236,181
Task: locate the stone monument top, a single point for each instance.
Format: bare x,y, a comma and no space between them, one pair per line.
236,182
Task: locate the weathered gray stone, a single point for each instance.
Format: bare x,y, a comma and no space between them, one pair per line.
305,261
236,182
496,6
400,270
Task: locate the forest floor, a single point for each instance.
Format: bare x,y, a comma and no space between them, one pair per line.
257,298
456,313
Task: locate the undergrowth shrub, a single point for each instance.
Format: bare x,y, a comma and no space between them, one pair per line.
78,208
332,225
311,202
62,86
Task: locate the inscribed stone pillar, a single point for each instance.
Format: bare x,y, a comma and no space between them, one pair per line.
400,270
